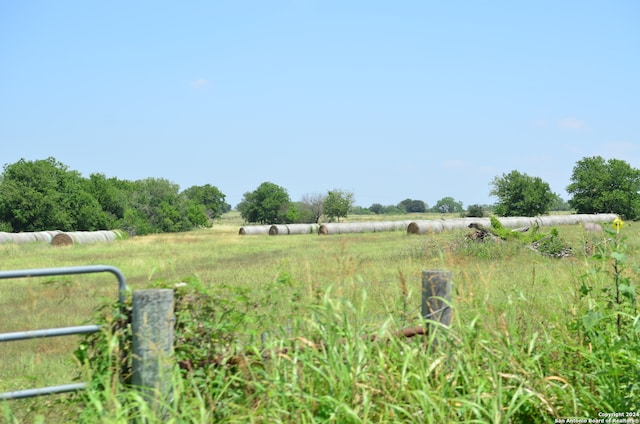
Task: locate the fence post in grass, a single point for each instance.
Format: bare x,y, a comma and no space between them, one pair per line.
152,345
436,296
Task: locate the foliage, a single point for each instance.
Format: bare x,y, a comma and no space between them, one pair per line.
521,195
507,357
106,359
359,210
609,325
599,186
210,197
267,204
112,194
412,206
379,209
337,204
156,206
559,204
552,245
447,205
475,211
312,207
45,195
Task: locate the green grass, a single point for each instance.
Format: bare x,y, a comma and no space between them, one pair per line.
517,349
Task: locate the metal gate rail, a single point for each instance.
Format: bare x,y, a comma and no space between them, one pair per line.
55,332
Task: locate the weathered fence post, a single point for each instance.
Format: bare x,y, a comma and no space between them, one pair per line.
436,296
152,345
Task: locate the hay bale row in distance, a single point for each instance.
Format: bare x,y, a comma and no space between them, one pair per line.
28,237
85,237
436,226
284,229
362,227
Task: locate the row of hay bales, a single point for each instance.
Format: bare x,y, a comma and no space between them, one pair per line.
61,238
422,226
436,226
281,229
28,237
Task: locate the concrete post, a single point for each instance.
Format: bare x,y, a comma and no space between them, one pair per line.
152,345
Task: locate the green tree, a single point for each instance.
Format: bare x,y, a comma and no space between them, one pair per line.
521,195
412,206
559,204
210,198
447,205
377,208
268,204
156,206
112,194
599,186
337,204
475,211
45,195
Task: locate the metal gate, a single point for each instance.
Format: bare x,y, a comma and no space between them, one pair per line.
54,332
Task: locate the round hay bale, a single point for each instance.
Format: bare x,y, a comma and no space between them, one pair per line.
5,237
108,235
592,227
24,237
274,230
424,227
381,226
302,228
346,227
254,229
62,239
43,236
83,237
517,221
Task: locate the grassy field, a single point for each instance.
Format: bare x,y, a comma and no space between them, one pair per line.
533,338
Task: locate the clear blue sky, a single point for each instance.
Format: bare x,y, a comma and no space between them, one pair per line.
386,99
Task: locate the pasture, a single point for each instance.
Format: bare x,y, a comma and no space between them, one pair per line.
533,338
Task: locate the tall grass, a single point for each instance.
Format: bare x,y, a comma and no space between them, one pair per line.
288,320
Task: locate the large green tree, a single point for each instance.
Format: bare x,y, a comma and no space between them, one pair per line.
267,204
337,204
45,195
447,205
605,186
521,195
413,206
112,194
210,198
156,206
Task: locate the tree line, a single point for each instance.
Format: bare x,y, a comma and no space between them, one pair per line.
45,195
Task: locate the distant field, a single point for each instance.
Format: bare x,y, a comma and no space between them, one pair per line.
513,290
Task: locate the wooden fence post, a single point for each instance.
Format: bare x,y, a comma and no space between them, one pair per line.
152,345
436,296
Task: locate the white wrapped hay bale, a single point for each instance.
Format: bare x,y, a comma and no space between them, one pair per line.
70,238
254,229
27,237
346,227
284,229
382,226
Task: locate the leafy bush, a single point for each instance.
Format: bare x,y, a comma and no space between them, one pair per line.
475,211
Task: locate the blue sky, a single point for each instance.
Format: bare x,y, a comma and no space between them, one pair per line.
386,99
